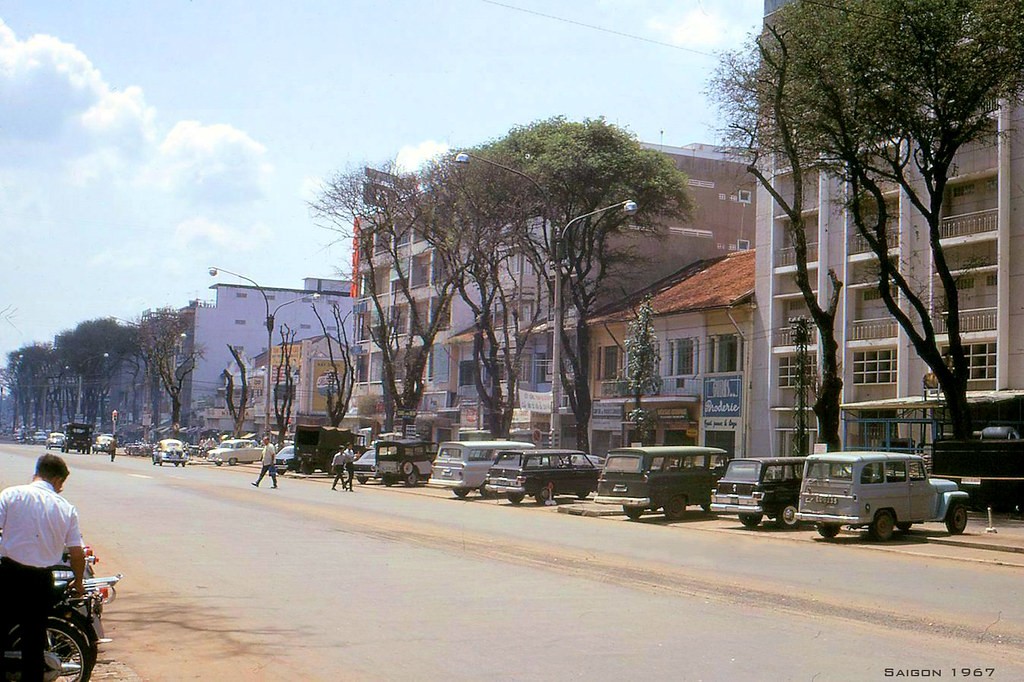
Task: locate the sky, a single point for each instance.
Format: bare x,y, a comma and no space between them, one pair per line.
143,142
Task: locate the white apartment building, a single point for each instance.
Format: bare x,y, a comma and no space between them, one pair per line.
885,401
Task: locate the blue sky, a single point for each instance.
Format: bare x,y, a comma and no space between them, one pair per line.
142,142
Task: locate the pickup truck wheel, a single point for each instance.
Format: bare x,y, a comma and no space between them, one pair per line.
751,520
882,528
412,477
515,498
633,513
362,479
956,518
827,530
232,462
903,526
543,495
460,492
787,517
675,508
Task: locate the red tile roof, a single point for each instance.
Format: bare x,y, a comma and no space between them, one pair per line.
704,285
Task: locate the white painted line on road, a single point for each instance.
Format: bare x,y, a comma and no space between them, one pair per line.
140,476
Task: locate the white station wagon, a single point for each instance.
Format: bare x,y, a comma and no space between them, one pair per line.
883,491
462,466
236,451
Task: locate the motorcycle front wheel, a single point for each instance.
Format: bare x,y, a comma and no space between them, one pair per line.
69,648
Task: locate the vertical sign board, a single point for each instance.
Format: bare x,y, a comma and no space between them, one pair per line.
723,404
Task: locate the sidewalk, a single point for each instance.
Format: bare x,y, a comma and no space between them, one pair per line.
1008,535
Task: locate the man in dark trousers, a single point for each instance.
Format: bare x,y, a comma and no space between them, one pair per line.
343,467
38,524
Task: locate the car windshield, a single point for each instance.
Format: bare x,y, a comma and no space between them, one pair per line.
742,471
508,459
627,464
286,451
367,457
836,471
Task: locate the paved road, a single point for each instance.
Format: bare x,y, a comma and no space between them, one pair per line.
228,582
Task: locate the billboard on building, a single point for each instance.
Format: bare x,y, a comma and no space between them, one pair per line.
324,383
723,396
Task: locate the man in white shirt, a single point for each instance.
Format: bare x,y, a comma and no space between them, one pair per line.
38,524
269,452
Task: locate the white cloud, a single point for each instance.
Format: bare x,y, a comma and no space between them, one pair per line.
410,158
700,28
212,163
202,234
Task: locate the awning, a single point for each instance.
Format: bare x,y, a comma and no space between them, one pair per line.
911,402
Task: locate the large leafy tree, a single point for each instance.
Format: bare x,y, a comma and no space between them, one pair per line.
579,168
889,93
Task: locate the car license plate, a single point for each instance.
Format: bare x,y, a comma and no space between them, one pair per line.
746,501
829,500
970,480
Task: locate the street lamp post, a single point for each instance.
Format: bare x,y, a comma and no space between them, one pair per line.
629,208
214,271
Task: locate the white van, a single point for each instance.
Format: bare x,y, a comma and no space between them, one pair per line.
463,465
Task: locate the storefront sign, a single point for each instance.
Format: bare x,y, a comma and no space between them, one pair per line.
535,401
673,414
722,396
606,416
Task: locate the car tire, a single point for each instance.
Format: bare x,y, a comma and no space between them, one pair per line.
412,477
883,526
827,530
484,492
582,494
675,508
751,520
232,462
706,506
633,513
388,481
903,526
786,518
218,463
516,498
956,518
460,492
543,495
362,480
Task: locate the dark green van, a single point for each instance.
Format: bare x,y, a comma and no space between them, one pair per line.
660,477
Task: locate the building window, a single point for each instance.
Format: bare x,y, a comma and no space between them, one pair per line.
683,357
239,321
609,363
724,353
241,294
304,326
467,372
743,196
981,360
541,369
874,367
789,371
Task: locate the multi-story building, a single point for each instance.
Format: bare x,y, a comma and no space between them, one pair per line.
237,317
703,322
887,400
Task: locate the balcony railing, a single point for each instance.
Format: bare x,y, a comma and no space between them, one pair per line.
787,256
966,224
975,320
875,328
858,244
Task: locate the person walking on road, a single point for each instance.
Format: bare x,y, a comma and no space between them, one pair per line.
343,464
38,524
113,448
269,452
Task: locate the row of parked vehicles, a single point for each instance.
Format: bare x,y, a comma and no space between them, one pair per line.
884,492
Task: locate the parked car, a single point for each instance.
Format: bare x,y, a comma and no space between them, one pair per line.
462,466
170,451
236,451
406,460
55,440
139,448
543,474
284,458
756,488
664,477
882,491
104,443
39,437
365,466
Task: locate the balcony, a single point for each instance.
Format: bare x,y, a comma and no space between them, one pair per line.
976,320
856,243
873,328
683,386
787,256
967,224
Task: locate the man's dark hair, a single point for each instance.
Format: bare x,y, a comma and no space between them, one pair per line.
51,467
